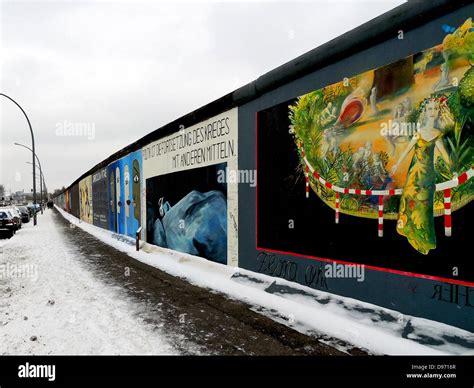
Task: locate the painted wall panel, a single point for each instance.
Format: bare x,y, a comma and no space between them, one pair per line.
290,218
85,196
124,178
74,201
100,202
376,147
191,205
67,200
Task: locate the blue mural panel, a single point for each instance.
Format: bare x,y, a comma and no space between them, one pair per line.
124,188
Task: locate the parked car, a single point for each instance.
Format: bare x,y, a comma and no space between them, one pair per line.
25,214
33,208
17,214
16,219
6,223
30,209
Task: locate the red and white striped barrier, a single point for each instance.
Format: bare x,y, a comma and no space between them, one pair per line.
306,174
306,171
447,212
380,215
444,186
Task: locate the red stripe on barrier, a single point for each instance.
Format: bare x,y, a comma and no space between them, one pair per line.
346,191
391,192
447,221
368,192
316,175
357,191
462,178
328,185
447,217
380,219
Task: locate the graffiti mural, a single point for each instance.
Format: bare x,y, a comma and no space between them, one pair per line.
124,187
394,143
85,196
187,212
188,207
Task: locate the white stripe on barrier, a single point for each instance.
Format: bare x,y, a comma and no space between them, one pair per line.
445,186
439,186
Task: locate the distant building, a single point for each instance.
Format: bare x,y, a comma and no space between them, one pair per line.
19,196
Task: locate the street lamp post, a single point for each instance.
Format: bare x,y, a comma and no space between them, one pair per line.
34,166
42,184
45,189
32,150
38,179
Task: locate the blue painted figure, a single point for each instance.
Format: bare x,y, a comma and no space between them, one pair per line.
197,225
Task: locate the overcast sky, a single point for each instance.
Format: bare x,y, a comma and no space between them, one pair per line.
123,69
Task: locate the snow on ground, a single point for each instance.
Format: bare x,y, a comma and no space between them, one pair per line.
308,311
51,304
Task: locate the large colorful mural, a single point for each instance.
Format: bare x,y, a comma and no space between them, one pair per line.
124,183
189,208
394,143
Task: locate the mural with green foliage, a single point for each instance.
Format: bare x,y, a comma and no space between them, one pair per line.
407,125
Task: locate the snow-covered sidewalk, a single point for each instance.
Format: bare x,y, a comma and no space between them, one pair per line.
335,320
50,303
